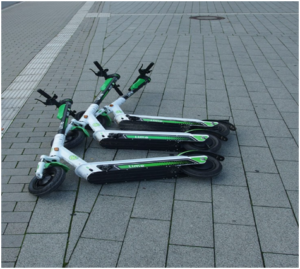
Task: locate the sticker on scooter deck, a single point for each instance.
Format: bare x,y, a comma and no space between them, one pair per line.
158,137
131,166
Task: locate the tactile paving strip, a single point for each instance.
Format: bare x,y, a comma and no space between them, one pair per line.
17,93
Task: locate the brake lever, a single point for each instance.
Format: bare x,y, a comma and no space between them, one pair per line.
99,73
41,101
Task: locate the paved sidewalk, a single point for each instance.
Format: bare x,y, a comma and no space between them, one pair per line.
243,68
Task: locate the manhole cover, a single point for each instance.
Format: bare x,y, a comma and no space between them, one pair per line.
207,18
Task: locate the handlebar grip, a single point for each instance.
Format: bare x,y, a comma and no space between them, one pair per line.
40,91
118,90
149,66
98,66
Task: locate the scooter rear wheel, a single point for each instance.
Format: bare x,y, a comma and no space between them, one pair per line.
212,144
212,167
100,118
223,129
53,177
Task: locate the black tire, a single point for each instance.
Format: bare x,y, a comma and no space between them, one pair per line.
223,129
73,139
212,144
211,168
52,179
103,121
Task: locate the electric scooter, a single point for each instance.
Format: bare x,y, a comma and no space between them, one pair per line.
76,131
154,123
51,173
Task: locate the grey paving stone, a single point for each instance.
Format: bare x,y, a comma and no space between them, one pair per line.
150,99
280,260
295,134
16,228
195,89
11,241
241,103
192,224
218,108
8,206
95,253
130,154
284,149
267,111
71,181
274,128
192,113
12,187
19,179
291,119
146,110
194,100
237,90
3,227
261,98
77,225
286,105
145,244
232,205
232,173
216,96
294,199
87,196
237,246
193,189
277,93
289,174
245,118
267,190
251,136
109,218
7,264
277,230
9,254
258,159
154,200
52,214
25,206
16,216
36,250
188,257
16,172
126,189
215,85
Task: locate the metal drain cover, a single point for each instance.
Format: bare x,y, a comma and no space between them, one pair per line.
207,18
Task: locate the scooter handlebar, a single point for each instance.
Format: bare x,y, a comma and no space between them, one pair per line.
98,66
40,91
149,67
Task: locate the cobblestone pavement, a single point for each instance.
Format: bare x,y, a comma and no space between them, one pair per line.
243,68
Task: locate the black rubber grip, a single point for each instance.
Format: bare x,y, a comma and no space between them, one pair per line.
98,66
40,91
149,66
118,90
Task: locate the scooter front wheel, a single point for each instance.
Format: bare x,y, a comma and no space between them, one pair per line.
53,177
211,143
212,167
100,118
73,138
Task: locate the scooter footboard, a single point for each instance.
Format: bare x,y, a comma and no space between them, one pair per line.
136,174
152,126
